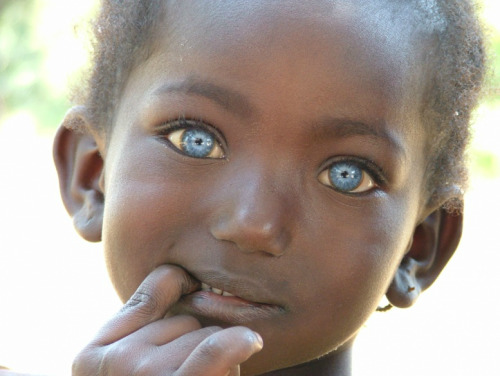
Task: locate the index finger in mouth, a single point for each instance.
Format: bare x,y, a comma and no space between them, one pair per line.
161,289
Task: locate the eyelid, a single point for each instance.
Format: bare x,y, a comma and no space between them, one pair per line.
184,123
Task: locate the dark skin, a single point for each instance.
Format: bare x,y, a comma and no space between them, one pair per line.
285,97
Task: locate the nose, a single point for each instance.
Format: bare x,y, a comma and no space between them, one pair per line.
253,214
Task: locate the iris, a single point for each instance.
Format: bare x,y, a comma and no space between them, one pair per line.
197,143
345,176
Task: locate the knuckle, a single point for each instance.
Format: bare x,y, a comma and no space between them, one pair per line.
143,368
143,302
85,362
139,297
115,360
213,346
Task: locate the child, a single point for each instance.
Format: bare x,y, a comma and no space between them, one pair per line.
262,173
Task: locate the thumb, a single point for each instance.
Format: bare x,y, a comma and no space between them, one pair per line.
161,289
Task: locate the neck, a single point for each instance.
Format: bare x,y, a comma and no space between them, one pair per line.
337,363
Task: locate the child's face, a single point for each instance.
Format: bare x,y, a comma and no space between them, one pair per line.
309,198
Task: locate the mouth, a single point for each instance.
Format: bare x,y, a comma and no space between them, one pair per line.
205,287
232,302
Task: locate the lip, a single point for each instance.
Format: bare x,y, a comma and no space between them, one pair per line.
250,301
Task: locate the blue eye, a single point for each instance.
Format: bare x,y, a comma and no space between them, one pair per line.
347,177
196,142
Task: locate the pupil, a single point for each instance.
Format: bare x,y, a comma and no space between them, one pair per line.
344,174
198,141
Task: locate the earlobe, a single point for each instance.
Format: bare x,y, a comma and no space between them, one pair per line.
79,165
434,241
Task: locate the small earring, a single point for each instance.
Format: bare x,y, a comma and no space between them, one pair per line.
384,308
384,305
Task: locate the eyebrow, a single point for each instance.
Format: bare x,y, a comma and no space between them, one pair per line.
226,98
234,102
345,128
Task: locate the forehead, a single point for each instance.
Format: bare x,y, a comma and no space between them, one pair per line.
375,39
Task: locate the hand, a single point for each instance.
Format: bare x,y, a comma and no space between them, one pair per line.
139,340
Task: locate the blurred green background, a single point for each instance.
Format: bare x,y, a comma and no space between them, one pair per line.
39,53
54,292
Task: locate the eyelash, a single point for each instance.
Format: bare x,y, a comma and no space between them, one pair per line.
375,173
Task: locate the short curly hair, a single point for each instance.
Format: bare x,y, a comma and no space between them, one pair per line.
121,39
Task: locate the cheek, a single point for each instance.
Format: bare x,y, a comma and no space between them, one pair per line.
334,283
145,212
350,267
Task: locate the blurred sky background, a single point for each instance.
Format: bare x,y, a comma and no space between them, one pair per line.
54,291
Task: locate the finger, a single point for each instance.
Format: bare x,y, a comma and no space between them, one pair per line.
155,296
165,330
128,357
176,351
222,352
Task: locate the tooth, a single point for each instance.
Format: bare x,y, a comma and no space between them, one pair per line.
225,293
205,287
217,291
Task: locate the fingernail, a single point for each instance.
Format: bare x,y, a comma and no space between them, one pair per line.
259,339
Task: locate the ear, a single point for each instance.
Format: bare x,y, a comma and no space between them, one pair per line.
434,242
80,168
